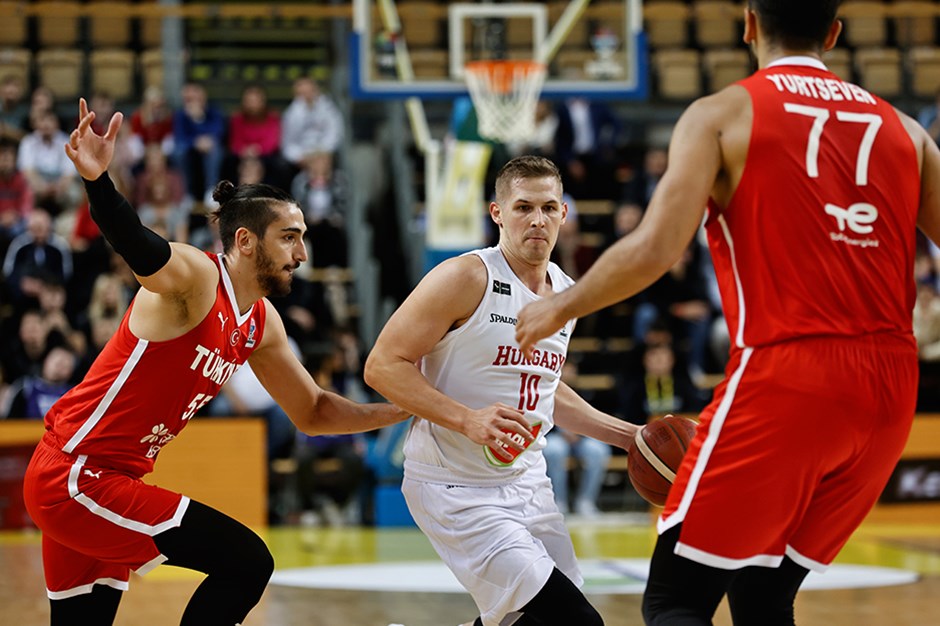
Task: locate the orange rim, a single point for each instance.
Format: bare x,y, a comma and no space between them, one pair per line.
500,73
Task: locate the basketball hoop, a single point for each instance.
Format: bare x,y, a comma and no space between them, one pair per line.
505,94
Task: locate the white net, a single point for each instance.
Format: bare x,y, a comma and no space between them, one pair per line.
505,95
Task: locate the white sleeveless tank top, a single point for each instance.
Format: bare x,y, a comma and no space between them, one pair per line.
480,364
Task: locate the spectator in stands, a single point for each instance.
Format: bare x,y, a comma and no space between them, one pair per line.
251,171
153,121
31,396
330,471
36,252
331,468
160,210
14,112
680,299
639,188
101,318
16,196
23,355
627,217
50,174
592,456
52,299
41,101
198,142
929,118
157,171
311,123
255,132
661,386
319,195
586,143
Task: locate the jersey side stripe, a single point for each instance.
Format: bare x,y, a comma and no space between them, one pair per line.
739,336
115,518
714,431
108,398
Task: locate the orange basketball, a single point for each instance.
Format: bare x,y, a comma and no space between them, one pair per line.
655,454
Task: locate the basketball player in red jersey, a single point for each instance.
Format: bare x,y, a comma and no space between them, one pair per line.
814,191
196,319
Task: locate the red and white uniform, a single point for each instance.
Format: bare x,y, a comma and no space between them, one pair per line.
814,258
83,486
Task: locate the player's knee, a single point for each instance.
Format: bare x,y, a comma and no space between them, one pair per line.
258,561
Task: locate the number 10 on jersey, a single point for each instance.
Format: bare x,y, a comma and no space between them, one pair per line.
529,391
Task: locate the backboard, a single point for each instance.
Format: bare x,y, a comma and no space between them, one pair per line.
418,48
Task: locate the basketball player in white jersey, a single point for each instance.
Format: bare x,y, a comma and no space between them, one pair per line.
475,478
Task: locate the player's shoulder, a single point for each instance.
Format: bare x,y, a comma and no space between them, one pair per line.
724,103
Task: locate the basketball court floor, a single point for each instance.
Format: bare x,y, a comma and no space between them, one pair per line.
887,575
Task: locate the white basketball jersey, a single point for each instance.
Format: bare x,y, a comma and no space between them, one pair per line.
480,364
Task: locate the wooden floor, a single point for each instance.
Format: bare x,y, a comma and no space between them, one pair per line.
158,598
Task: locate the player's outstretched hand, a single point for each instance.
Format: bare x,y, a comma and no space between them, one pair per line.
495,426
90,152
537,320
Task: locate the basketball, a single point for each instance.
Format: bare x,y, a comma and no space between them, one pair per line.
655,454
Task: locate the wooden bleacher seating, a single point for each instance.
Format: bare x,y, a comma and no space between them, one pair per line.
62,71
923,64
839,62
112,72
679,73
109,24
16,62
725,66
666,23
865,23
13,33
879,70
915,22
717,23
58,24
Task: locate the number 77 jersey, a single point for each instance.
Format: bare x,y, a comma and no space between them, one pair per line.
819,237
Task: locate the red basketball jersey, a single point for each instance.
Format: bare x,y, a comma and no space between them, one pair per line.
819,236
139,394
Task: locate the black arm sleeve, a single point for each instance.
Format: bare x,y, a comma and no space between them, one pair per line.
144,250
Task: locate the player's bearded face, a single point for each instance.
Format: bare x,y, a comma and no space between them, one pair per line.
274,279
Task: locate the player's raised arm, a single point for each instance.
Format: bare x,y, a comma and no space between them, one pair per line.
152,259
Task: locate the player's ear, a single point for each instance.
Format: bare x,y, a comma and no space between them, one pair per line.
833,35
244,240
496,214
750,26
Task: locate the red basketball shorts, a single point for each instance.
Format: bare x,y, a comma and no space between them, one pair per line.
97,523
793,451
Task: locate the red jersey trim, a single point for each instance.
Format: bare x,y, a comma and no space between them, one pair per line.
742,301
120,585
109,397
714,431
230,292
116,518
